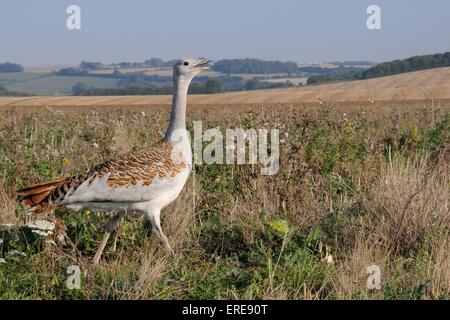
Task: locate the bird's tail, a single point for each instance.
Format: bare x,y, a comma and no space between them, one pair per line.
43,197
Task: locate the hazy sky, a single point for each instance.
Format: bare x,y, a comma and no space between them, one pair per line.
35,33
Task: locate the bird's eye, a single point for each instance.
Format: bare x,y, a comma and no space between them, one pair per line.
186,63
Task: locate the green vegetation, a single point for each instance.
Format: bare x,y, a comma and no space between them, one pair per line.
321,152
315,79
336,72
205,87
6,93
213,86
258,84
72,72
47,84
71,81
358,185
210,86
81,89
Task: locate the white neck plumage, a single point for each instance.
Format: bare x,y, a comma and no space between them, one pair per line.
178,115
176,132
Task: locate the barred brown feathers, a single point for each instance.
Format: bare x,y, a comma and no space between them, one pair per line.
159,161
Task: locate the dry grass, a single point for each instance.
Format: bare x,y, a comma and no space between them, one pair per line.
7,207
410,203
407,216
351,274
438,268
339,191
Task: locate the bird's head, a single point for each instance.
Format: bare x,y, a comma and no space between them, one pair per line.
187,69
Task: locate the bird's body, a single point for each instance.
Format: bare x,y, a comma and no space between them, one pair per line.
148,178
143,182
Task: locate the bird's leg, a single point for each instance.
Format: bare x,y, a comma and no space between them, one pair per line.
110,226
101,247
156,226
162,237
121,218
119,224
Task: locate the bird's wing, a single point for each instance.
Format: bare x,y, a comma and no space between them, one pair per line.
131,177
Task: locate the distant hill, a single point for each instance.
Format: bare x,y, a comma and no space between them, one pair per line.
6,93
254,66
10,67
419,85
415,63
233,75
353,63
49,84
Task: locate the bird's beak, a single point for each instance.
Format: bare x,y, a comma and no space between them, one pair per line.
202,64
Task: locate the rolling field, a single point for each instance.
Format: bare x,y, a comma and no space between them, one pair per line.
420,85
359,184
42,83
19,77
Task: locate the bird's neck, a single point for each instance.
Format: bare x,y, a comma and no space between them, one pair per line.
178,115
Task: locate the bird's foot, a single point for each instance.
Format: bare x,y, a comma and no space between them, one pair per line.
170,251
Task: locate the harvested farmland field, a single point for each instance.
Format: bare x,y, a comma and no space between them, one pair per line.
359,184
421,85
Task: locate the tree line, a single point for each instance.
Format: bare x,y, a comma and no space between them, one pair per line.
226,66
206,87
10,67
254,66
80,89
415,63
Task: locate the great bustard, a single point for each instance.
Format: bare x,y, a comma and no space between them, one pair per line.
142,182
